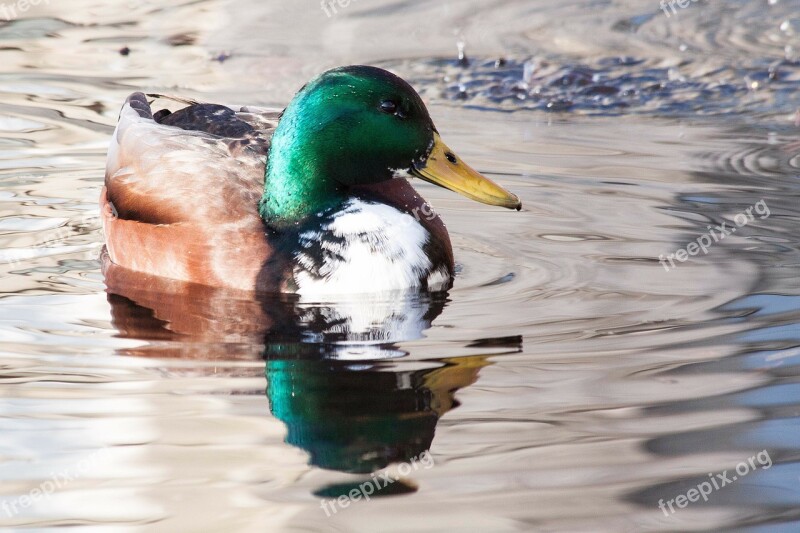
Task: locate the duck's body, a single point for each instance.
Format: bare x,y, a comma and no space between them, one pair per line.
185,198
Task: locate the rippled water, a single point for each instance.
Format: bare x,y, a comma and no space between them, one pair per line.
567,382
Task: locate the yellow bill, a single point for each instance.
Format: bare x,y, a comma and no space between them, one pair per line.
445,169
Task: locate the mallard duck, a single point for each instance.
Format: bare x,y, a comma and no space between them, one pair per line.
314,200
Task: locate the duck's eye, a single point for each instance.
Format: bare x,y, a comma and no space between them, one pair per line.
389,106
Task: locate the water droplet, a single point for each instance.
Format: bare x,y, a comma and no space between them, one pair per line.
462,54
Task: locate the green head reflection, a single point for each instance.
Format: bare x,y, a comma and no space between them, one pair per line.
360,417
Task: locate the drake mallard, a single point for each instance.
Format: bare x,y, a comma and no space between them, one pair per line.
314,200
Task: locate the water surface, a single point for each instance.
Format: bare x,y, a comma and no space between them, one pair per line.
568,381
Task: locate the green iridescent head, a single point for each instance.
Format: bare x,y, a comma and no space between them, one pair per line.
352,126
349,126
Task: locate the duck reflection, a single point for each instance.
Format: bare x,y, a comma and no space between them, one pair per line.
332,371
362,417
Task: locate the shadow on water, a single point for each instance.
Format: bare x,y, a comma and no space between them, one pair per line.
331,373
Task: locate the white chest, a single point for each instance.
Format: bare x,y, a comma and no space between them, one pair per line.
366,247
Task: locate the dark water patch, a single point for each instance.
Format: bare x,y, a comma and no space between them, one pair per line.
344,489
614,85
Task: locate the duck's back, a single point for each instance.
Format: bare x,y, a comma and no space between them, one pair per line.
182,189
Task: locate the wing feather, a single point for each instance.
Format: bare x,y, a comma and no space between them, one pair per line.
162,174
182,203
